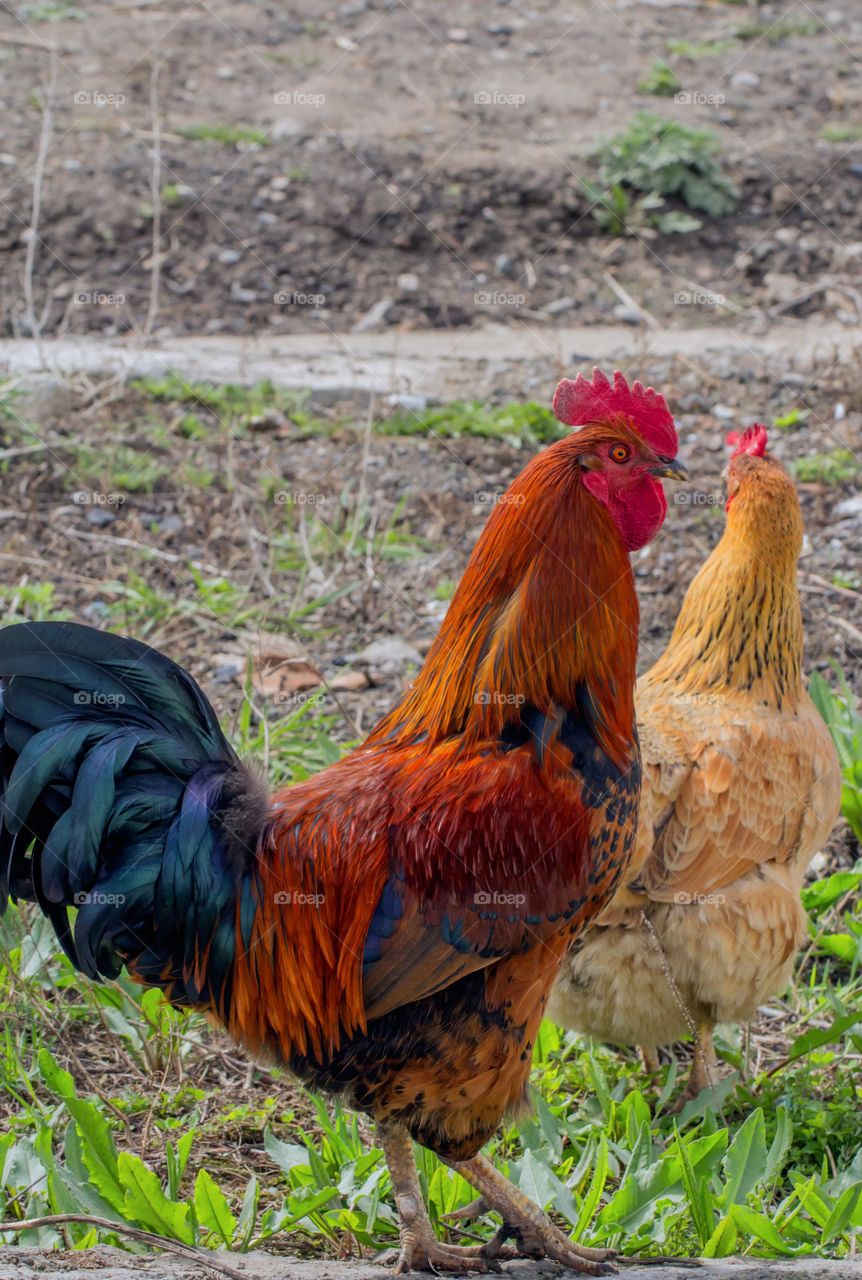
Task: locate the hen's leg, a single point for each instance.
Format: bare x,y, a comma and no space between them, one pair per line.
420,1249
649,1059
703,1068
536,1234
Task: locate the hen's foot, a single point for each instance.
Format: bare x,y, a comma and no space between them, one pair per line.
535,1234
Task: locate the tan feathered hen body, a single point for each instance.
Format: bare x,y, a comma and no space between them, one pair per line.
741,787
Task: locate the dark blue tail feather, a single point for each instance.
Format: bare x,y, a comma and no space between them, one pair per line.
119,796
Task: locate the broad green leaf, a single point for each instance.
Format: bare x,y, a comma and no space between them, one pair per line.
146,1203
745,1164
780,1148
845,1214
212,1209
722,1242
287,1155
759,1226
57,1080
248,1212
817,1037
594,1194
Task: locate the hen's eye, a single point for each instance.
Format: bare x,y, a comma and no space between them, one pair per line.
620,452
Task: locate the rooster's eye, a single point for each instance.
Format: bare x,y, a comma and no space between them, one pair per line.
620,452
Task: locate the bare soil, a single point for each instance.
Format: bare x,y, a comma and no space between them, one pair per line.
422,154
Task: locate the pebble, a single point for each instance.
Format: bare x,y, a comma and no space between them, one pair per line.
745,80
391,651
229,257
414,403
839,413
99,517
505,265
786,235
458,35
724,412
225,73
850,506
559,305
408,282
498,29
374,316
627,314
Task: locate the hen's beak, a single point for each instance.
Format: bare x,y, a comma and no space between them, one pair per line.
668,469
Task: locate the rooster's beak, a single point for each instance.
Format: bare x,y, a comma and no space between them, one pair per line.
668,469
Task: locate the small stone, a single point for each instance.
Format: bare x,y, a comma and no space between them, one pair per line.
414,403
458,35
745,80
849,506
391,652
498,29
229,257
170,524
239,294
839,413
99,517
225,73
505,265
95,611
374,316
351,681
408,282
724,412
786,235
558,306
627,314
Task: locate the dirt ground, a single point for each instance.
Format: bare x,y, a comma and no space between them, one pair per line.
114,1265
418,162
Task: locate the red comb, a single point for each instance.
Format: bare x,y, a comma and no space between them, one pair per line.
579,402
753,440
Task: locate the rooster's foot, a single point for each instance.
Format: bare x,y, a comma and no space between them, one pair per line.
534,1233
420,1249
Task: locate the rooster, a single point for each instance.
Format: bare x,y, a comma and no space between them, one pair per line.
741,788
390,928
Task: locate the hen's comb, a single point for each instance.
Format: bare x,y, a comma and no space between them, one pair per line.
577,402
752,440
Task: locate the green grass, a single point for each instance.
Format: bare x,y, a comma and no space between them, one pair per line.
697,49
783,29
842,132
230,134
833,468
661,80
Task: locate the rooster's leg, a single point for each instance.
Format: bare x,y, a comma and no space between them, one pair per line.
420,1250
535,1233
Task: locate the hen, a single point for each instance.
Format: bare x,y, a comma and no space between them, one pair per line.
389,929
741,787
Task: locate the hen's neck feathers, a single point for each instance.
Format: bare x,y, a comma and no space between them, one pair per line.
546,612
740,626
